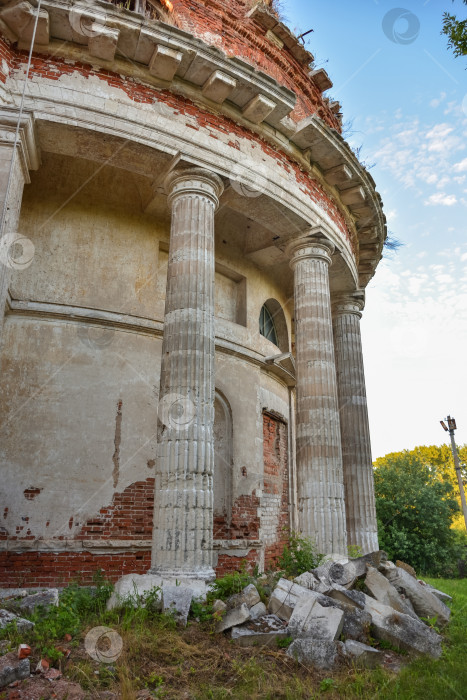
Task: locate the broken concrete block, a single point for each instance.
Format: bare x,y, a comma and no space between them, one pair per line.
178,599
349,599
258,610
309,618
249,596
13,669
24,650
318,653
309,580
332,573
381,589
219,86
362,655
410,570
425,603
248,638
164,62
443,597
219,606
403,631
7,618
234,617
258,109
285,596
356,625
44,598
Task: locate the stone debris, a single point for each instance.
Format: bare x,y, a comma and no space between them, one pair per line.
234,617
263,631
13,669
425,603
249,596
258,610
443,597
285,597
310,619
7,617
309,580
316,620
362,655
219,606
133,588
356,625
177,599
381,589
402,631
43,598
410,570
318,653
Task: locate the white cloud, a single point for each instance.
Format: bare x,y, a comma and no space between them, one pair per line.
437,100
446,200
460,167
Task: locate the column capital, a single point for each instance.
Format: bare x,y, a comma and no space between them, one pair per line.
310,247
348,303
194,181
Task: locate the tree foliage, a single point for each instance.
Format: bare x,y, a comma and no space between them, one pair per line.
416,504
456,31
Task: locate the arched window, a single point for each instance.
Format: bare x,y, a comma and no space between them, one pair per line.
267,327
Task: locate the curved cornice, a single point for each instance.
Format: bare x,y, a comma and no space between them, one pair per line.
176,60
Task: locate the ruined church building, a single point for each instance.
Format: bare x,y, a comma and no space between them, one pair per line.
186,243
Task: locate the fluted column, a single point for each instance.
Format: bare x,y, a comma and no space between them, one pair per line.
183,518
356,446
319,458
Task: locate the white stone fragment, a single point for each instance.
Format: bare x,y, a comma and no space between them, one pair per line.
234,617
310,619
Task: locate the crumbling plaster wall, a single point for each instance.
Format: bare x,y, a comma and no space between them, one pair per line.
79,409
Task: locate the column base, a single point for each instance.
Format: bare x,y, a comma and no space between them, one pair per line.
205,575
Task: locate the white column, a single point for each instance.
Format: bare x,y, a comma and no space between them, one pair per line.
183,516
356,447
16,251
319,458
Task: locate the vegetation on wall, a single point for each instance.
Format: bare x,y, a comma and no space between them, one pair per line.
456,31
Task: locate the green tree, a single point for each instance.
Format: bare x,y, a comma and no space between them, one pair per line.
415,506
456,31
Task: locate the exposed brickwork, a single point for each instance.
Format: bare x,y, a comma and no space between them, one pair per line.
128,517
60,568
226,24
227,564
275,500
52,68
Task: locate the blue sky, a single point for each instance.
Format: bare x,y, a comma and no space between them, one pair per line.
408,106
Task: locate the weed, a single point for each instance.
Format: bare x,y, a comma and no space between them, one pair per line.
299,555
229,584
327,684
284,643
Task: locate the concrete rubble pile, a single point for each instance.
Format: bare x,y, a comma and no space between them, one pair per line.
336,611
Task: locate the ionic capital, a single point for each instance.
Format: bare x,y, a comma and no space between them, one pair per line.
310,247
351,303
195,182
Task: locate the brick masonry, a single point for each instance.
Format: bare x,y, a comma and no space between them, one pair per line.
13,62
129,517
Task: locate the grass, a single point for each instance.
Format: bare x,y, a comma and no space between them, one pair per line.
196,663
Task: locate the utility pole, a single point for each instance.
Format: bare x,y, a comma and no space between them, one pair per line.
450,428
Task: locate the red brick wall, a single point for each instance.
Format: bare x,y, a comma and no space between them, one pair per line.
275,503
128,517
52,68
31,569
239,36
